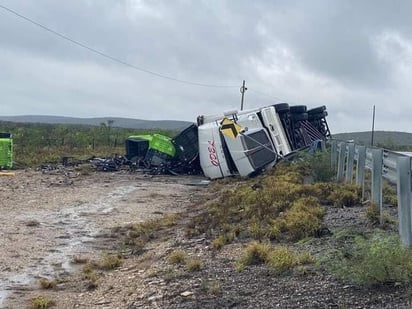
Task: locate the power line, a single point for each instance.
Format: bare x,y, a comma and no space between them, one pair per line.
91,49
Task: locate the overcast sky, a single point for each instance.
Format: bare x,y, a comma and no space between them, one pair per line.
348,55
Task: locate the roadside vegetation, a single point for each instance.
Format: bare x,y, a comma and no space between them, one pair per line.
276,212
35,144
373,260
41,302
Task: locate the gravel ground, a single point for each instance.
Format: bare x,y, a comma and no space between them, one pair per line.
50,218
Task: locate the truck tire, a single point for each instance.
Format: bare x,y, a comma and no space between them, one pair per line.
281,107
317,110
300,117
298,109
317,116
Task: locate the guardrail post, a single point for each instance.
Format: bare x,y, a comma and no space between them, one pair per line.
341,161
322,145
349,162
404,199
360,168
333,154
376,186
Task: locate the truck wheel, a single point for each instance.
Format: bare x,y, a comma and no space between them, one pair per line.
300,117
298,109
317,116
317,110
281,107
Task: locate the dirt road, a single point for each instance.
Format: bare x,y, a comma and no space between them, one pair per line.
49,218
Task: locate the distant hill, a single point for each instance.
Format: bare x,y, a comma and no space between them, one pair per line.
390,139
117,122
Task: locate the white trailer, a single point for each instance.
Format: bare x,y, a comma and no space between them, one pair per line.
246,142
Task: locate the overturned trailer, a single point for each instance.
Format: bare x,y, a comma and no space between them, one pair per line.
247,142
233,143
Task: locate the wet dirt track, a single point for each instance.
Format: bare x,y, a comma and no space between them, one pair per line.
48,218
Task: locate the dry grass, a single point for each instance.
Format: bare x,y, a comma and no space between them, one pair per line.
80,260
279,259
140,233
177,257
47,284
194,264
222,240
213,288
110,262
41,302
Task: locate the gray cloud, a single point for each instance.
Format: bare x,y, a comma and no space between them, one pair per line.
348,55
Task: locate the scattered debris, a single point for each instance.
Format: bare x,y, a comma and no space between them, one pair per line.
7,174
186,293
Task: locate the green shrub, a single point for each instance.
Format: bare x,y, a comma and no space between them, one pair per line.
302,220
282,259
41,302
320,167
378,260
372,213
345,195
389,194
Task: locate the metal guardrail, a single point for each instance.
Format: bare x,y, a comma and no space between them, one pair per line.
392,166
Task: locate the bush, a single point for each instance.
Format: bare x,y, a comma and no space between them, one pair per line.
177,257
389,194
47,284
222,240
378,260
279,259
302,220
194,265
373,213
109,262
255,253
320,165
345,195
41,302
282,259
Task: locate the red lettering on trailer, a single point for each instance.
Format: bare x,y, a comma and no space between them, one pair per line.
212,153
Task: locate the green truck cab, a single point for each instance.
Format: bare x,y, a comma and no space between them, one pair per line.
6,150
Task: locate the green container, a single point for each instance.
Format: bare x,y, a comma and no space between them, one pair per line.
158,142
6,150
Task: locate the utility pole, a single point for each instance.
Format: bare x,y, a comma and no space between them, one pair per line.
373,125
242,91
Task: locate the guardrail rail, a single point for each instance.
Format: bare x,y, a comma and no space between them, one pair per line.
392,166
